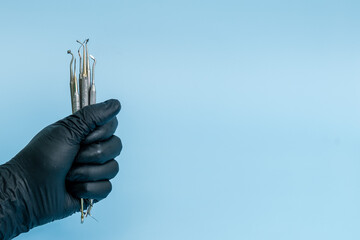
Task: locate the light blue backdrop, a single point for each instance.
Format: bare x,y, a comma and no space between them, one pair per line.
240,119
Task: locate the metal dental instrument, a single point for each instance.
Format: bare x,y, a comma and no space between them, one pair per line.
84,59
75,103
84,82
83,79
71,73
92,88
87,63
92,101
80,63
83,94
76,96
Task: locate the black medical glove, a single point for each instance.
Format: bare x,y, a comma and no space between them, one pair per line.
68,160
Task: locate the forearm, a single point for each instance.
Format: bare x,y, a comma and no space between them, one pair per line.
14,212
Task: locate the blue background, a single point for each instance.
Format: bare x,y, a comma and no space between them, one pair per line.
240,119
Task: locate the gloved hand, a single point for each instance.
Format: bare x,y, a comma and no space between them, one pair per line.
68,160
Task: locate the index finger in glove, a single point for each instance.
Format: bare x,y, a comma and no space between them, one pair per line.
103,132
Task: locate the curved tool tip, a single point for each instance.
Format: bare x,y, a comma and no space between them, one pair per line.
69,51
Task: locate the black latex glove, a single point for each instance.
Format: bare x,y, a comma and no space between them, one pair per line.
68,160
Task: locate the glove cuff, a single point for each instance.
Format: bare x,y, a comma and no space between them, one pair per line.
14,210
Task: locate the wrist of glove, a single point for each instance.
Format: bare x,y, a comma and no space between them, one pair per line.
14,196
68,160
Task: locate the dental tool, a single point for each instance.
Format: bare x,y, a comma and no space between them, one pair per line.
75,103
83,77
71,73
80,63
92,101
87,62
76,96
80,98
83,93
92,88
